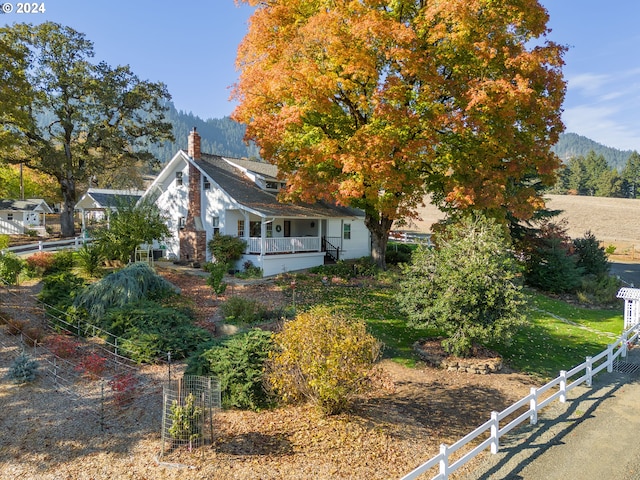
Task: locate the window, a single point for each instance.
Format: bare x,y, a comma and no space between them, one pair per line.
178,178
182,222
272,185
269,229
9,216
206,183
254,229
241,228
346,231
215,222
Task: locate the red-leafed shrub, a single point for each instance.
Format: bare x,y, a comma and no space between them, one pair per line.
93,366
124,387
40,263
63,346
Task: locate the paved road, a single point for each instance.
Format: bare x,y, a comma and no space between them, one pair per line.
628,272
595,435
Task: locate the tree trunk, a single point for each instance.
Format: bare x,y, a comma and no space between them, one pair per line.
379,227
67,224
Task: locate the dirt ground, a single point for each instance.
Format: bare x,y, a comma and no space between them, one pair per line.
49,434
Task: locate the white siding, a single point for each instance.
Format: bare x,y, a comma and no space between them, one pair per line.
173,201
277,264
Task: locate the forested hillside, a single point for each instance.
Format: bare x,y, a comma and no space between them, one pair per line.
573,145
220,136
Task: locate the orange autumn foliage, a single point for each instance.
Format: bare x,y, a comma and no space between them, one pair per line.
374,103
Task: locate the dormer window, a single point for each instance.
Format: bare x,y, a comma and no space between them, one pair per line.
178,178
272,185
206,184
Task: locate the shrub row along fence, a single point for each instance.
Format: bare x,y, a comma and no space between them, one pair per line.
451,457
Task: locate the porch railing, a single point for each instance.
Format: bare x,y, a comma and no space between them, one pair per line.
284,245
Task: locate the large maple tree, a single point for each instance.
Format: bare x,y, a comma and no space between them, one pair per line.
374,103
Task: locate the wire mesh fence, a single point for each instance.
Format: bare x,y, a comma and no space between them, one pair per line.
88,369
189,404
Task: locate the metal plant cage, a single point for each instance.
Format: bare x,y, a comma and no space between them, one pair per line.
188,406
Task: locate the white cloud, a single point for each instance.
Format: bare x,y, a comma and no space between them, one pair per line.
587,83
605,107
604,124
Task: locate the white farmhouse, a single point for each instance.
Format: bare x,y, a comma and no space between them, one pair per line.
18,216
208,194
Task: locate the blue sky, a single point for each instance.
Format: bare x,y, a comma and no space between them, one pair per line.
191,47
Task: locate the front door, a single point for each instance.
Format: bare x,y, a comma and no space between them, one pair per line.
287,228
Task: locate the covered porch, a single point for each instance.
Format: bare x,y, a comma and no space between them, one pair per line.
281,244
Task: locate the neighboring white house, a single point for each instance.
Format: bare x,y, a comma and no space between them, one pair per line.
208,194
18,216
94,204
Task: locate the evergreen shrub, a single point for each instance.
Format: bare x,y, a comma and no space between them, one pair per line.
238,362
24,369
468,286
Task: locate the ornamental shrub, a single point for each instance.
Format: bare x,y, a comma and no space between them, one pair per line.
322,357
150,330
63,346
216,275
10,268
39,263
399,253
226,249
242,311
58,293
467,286
62,262
90,258
238,362
24,369
186,420
133,283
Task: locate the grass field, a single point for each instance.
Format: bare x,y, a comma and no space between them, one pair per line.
614,221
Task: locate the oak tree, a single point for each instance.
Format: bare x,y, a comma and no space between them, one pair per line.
83,118
373,103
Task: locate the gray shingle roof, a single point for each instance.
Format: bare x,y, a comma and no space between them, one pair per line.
247,193
113,199
29,205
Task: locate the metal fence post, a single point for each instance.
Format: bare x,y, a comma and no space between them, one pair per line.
55,373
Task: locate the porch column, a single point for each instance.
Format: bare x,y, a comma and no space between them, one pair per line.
263,235
247,227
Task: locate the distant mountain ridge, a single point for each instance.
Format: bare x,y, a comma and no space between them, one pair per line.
224,136
573,145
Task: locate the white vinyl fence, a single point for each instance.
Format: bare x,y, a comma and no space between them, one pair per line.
41,246
538,399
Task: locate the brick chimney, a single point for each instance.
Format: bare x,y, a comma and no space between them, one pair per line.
193,148
193,236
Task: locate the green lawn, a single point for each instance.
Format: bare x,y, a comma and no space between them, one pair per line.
557,337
